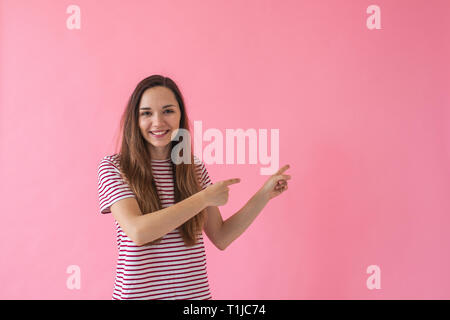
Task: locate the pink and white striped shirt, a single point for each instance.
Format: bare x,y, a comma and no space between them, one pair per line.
169,270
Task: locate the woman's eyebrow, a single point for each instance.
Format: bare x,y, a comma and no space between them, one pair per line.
148,108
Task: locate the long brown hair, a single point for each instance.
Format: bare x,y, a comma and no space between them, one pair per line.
135,161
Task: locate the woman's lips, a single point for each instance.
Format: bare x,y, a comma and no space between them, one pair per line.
159,135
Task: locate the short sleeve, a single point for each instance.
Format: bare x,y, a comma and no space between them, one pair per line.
111,186
204,178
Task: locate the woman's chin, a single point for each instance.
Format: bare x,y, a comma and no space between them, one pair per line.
159,144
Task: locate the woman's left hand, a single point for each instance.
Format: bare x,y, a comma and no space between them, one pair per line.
276,184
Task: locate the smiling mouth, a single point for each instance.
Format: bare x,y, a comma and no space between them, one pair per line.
159,133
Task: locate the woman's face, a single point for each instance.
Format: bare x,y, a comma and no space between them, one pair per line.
159,116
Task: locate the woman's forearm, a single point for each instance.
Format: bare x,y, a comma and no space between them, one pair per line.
235,225
156,224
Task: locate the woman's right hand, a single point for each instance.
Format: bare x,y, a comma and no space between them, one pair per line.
217,193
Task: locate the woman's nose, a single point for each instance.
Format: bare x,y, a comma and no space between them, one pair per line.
158,118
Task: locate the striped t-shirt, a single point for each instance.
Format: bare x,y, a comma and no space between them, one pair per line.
169,270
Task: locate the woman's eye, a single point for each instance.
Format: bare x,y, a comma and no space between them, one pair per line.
149,113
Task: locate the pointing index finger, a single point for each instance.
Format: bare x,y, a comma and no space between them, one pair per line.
232,181
282,169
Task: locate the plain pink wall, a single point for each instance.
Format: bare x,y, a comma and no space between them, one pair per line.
364,123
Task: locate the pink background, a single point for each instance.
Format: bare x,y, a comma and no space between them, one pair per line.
364,119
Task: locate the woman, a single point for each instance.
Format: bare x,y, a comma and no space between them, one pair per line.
161,208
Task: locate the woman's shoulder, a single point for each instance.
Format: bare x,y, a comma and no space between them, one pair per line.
202,172
112,160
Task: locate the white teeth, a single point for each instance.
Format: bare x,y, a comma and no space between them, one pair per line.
158,132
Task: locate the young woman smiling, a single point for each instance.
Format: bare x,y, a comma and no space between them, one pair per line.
161,208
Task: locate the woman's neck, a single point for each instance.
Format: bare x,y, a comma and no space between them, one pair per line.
158,154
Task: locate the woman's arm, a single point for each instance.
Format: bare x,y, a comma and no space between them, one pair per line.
235,225
223,233
144,228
